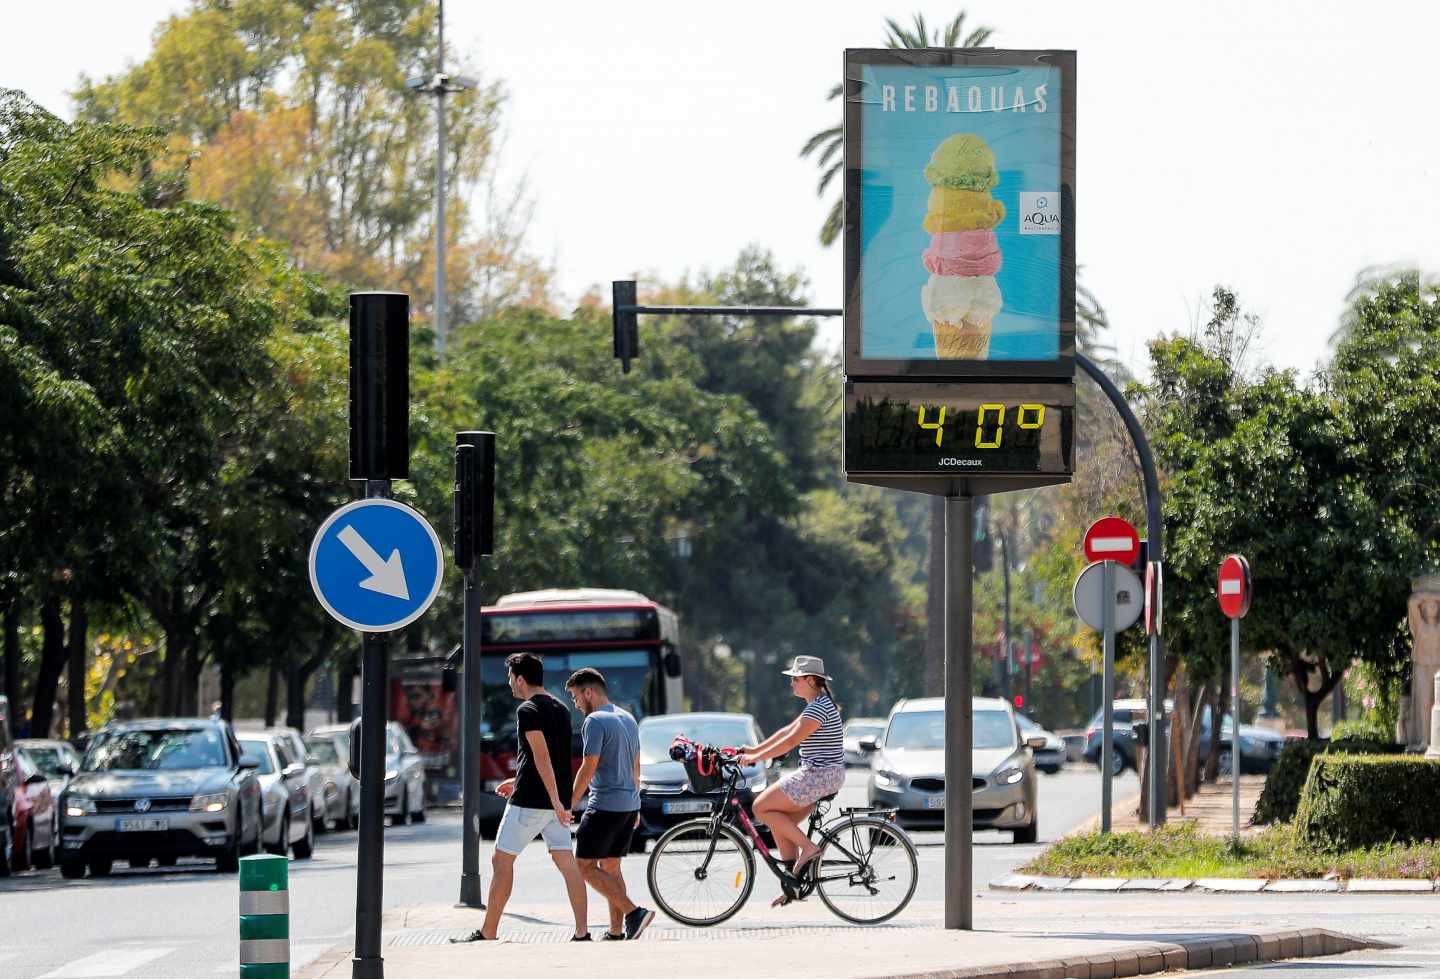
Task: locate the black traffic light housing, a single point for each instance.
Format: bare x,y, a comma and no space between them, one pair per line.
474,497
379,385
626,322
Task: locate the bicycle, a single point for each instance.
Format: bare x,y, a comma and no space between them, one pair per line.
702,871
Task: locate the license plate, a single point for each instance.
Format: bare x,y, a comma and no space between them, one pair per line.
935,802
147,825
679,807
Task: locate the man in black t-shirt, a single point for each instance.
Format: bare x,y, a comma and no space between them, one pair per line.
536,806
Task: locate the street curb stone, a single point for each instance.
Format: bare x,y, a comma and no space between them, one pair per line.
1303,887
1144,958
1218,885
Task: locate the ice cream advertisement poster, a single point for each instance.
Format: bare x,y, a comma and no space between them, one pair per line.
959,183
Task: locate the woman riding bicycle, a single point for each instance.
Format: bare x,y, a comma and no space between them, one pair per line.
818,733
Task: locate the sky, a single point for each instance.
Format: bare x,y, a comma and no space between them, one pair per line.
1277,148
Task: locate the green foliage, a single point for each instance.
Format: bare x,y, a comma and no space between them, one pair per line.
1179,851
1367,731
1280,798
1354,801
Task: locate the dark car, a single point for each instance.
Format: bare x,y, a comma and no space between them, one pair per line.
7,790
159,790
1259,747
665,795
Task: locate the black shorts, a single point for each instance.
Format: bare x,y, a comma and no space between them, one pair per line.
603,834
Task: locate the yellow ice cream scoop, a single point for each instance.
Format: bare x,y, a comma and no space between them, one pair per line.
962,210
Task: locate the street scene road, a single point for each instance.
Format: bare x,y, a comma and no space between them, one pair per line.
184,922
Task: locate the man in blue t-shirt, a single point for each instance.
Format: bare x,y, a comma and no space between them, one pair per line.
610,769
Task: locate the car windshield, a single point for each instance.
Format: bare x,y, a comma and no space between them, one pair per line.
924,730
158,750
323,752
48,760
656,734
863,729
260,752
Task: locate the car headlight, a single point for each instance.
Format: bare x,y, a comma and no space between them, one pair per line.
391,775
888,780
1009,776
77,805
213,802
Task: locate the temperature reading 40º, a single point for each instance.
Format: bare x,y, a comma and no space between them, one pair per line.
989,423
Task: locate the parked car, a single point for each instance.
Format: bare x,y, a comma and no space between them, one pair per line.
404,777
7,790
159,790
329,754
1259,747
1051,758
856,730
34,819
665,795
57,759
314,778
285,790
908,771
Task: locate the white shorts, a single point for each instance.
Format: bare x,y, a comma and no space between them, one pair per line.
520,825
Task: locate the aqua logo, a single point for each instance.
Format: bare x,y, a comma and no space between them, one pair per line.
1039,213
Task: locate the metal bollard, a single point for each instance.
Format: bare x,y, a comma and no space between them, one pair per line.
264,917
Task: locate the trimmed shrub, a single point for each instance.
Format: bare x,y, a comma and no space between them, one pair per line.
1353,801
1280,798
1368,731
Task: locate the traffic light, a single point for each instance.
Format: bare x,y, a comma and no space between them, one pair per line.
379,385
474,496
626,323
982,548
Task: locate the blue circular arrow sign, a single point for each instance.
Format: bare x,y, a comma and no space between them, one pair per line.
376,565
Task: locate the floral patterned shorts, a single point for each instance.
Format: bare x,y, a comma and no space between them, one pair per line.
809,785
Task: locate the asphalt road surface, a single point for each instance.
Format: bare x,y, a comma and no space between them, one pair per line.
183,922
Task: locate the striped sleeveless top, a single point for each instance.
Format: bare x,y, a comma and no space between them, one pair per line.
826,747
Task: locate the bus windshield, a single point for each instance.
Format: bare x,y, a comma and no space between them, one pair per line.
630,680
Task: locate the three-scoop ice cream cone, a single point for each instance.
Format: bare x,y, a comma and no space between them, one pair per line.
961,298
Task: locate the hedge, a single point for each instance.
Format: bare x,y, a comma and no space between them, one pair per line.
1280,798
1353,801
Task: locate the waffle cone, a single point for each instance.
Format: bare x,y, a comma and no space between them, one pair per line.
969,339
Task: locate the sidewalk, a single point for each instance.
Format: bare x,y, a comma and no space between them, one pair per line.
417,945
1208,810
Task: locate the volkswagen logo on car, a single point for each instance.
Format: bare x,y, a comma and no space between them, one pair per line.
142,805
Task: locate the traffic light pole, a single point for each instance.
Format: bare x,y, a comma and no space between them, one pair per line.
959,805
370,862
1155,528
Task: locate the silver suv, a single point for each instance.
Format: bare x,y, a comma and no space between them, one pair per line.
159,790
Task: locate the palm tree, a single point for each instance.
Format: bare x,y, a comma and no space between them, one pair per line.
829,142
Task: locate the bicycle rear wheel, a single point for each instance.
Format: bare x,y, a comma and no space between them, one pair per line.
694,884
867,872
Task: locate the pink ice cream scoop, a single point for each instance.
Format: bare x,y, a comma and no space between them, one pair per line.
963,253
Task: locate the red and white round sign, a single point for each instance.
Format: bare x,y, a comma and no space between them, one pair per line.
1234,587
1112,539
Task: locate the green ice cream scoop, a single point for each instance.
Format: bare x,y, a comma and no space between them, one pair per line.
962,162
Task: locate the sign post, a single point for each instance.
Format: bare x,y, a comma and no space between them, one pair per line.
1234,591
1109,539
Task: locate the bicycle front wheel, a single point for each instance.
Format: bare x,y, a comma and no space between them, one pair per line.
867,870
697,879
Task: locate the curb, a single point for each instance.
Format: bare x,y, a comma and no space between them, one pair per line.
1151,957
1140,959
1015,883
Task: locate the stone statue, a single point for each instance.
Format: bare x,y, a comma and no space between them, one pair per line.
1425,631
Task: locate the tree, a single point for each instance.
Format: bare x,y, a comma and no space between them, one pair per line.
828,144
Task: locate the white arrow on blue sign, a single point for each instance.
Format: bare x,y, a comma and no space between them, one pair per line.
376,565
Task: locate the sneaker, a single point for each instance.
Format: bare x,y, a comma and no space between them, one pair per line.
474,936
581,938
636,922
609,937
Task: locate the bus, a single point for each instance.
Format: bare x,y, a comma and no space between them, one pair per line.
631,639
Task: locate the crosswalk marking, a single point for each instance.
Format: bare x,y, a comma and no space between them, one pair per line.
114,962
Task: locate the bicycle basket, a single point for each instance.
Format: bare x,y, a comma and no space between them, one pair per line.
702,765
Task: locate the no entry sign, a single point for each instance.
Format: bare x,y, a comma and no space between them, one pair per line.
1112,539
1234,586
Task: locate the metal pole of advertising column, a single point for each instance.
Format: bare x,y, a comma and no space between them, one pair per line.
1107,694
959,594
1029,640
370,864
1235,729
1008,686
